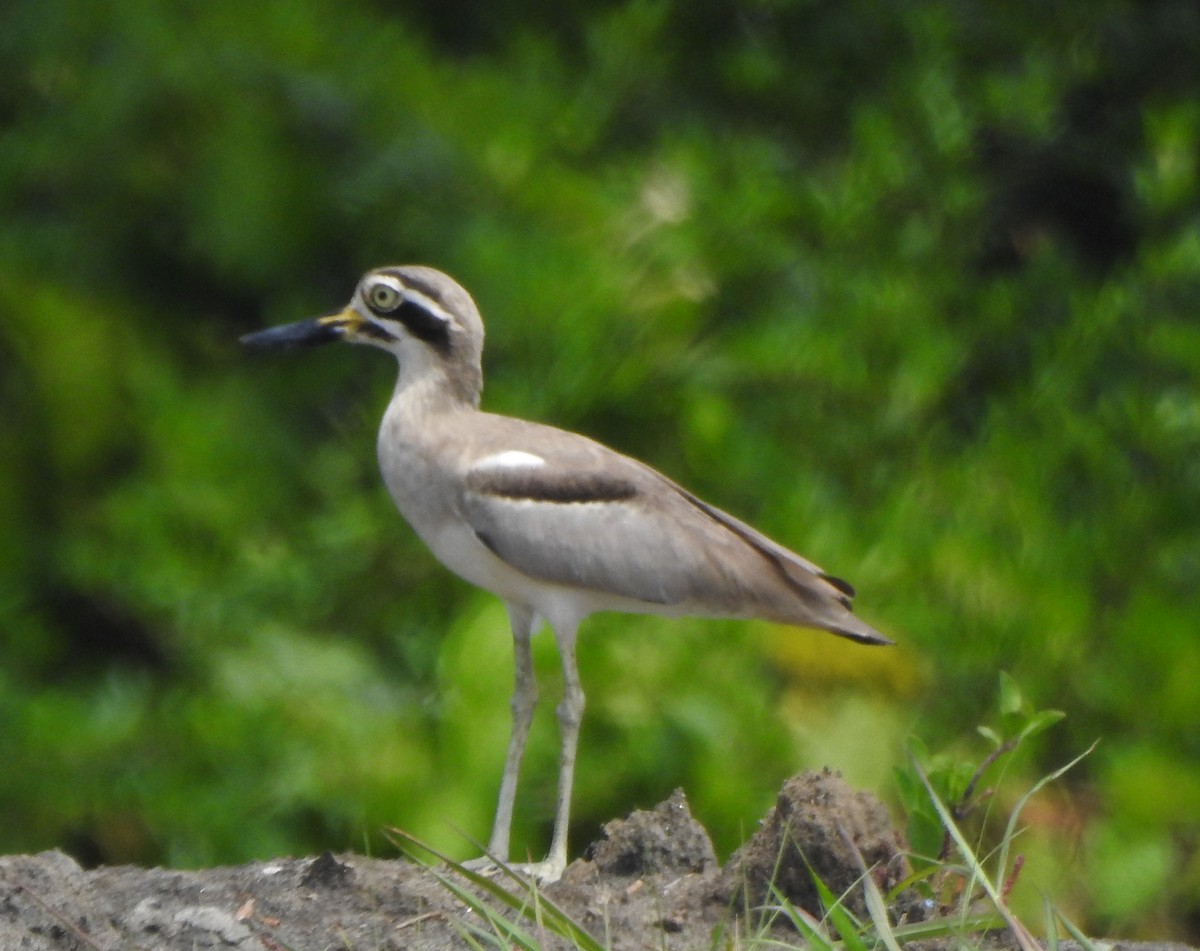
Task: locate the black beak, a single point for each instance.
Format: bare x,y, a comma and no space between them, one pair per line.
303,333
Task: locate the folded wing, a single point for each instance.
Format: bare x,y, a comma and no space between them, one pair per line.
584,516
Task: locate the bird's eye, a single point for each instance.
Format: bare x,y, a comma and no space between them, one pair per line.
383,297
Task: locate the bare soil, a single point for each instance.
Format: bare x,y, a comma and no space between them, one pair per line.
652,881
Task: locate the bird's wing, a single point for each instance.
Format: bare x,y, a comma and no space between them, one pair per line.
576,513
580,517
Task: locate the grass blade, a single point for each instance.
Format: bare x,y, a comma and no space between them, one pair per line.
1084,941
803,922
506,932
838,916
1010,830
1020,933
877,909
1051,924
528,901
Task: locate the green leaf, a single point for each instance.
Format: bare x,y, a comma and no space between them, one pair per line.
1040,722
1011,701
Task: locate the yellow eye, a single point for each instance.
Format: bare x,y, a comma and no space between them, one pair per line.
383,297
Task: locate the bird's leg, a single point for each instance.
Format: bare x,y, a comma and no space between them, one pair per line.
570,714
524,698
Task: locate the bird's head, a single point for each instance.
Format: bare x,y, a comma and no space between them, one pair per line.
418,314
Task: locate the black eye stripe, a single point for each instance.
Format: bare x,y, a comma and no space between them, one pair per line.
423,324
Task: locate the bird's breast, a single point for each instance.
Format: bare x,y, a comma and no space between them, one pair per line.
425,488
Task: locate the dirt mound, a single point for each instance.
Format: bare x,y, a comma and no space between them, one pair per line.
652,880
818,827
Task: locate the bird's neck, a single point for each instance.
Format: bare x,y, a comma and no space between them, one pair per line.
419,396
432,384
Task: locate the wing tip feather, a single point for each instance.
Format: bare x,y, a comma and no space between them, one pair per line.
861,632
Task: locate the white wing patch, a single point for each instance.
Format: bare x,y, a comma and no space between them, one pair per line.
510,459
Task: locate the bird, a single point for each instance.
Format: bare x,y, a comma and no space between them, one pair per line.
554,523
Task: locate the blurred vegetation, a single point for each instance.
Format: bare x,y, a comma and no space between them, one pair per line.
913,287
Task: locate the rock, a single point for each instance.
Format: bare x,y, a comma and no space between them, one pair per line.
199,926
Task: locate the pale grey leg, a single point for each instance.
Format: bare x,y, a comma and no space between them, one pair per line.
570,715
524,698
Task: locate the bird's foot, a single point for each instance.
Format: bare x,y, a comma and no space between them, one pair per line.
544,873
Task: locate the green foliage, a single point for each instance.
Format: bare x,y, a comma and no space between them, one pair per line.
912,287
956,780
